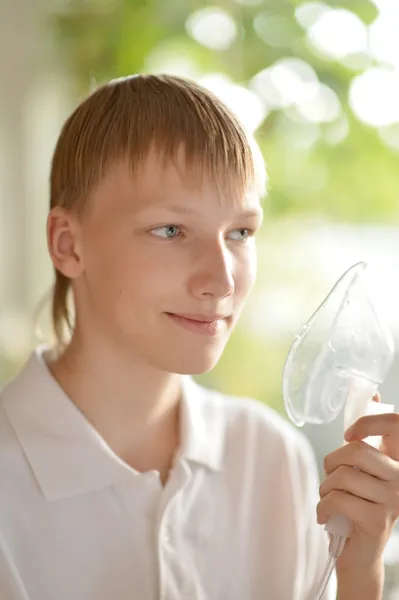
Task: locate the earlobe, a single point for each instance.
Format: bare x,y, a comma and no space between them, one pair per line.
63,242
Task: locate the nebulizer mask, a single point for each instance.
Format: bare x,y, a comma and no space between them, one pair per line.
336,363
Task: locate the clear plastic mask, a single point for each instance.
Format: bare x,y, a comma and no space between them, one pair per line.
343,341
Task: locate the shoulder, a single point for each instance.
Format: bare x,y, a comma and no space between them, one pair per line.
17,411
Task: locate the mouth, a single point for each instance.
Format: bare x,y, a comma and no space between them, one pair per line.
211,325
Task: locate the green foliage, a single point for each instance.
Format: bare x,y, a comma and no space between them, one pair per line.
351,181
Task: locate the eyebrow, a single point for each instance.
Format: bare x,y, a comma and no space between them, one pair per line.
185,210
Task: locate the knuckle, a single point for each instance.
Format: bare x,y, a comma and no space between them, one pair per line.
321,514
335,496
331,500
337,480
326,463
343,472
394,418
395,501
357,449
324,487
361,420
323,509
343,475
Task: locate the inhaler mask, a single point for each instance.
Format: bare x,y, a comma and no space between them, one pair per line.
337,361
339,357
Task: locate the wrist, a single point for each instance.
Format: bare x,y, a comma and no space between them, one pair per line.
366,583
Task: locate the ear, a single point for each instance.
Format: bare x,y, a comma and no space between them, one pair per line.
64,242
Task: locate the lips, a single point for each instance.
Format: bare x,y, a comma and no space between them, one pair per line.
211,325
201,318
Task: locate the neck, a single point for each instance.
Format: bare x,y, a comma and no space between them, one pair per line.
133,406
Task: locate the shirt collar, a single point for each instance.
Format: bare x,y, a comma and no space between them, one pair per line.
67,455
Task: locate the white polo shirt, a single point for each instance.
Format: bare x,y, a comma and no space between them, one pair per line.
235,521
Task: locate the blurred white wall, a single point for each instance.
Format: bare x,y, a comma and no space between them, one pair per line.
19,34
33,104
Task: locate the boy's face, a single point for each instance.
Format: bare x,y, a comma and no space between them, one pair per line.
158,249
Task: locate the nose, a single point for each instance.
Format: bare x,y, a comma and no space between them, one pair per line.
214,275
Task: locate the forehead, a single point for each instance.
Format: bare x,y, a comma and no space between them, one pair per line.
161,181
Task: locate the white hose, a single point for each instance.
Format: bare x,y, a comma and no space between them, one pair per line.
337,544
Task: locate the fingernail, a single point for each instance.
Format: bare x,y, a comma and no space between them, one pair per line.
348,433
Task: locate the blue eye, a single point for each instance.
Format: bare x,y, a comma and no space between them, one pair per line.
243,234
166,231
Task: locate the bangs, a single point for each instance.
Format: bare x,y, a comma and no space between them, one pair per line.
126,118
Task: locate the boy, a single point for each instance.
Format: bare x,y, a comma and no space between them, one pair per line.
122,478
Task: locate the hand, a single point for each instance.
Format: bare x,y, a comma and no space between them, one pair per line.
368,495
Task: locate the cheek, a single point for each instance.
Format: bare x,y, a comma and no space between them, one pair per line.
146,276
245,276
109,269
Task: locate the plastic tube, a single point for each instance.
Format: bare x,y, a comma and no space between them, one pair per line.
337,544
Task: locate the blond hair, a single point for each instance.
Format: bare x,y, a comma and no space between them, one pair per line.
124,119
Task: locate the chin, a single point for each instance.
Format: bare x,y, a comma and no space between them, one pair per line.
192,363
196,369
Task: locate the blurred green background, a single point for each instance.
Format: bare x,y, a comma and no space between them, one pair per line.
318,84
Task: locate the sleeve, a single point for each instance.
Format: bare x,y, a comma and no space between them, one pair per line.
11,586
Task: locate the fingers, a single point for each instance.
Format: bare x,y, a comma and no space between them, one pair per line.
365,458
358,484
384,425
362,513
